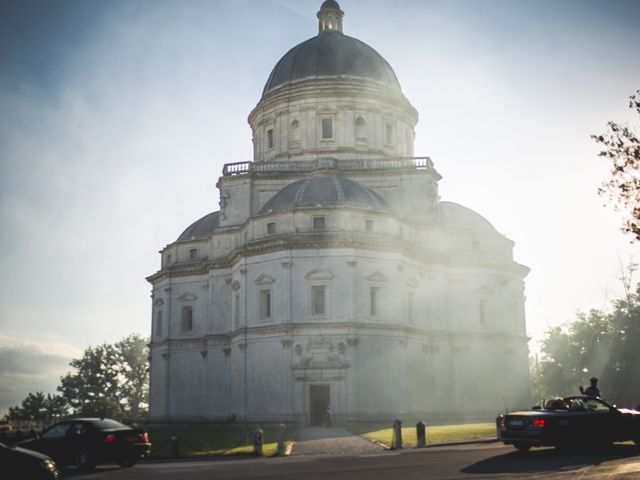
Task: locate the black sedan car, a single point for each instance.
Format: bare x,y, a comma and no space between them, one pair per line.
86,442
21,464
568,422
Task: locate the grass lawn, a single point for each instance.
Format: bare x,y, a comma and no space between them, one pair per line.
434,434
212,440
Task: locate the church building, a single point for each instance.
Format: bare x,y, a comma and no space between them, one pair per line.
333,273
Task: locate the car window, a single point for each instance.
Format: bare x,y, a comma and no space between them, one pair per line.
107,424
77,429
593,404
56,431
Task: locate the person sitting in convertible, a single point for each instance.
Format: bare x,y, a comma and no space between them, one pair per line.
556,404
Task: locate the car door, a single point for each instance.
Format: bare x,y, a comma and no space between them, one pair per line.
602,422
52,442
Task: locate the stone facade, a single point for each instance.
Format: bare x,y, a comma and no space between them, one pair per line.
333,273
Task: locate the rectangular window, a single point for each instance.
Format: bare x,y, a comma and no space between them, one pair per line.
319,223
271,228
159,323
327,128
187,318
388,133
236,311
374,294
482,304
270,138
193,253
318,298
368,225
411,307
168,259
265,303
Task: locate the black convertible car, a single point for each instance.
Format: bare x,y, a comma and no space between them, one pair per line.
85,442
568,422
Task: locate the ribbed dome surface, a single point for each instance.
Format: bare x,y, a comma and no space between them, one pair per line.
324,191
331,54
201,229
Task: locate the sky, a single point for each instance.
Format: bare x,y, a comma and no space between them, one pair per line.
117,117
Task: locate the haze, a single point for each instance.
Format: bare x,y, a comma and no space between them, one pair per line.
117,117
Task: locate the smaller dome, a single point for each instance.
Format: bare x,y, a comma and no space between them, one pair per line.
201,229
324,191
329,4
457,216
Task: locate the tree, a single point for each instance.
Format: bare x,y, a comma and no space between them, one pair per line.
110,380
604,345
622,145
37,406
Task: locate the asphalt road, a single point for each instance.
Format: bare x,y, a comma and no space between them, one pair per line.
474,461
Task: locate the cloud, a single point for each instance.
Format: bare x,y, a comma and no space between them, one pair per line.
30,366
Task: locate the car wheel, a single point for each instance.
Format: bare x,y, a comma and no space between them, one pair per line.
522,447
128,462
84,460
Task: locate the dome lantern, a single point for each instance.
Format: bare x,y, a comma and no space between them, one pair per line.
330,17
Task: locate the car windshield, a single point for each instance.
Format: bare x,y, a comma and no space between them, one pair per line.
108,424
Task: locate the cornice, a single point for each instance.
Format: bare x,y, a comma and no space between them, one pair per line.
334,240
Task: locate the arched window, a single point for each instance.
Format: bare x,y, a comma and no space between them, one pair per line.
294,131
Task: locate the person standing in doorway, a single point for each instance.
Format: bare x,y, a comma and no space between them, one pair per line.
327,417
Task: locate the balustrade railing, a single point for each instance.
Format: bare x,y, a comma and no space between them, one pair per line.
401,163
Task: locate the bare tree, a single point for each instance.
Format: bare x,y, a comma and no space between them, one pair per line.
621,144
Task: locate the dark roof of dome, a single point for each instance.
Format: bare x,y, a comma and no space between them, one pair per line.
330,4
330,54
458,216
324,191
201,229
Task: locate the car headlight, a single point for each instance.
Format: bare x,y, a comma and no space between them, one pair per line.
49,465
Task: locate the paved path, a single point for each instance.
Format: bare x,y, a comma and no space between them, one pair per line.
332,441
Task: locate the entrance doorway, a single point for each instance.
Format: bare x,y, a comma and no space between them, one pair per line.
319,400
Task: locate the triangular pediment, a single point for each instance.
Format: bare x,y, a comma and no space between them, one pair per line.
412,283
319,274
158,302
263,279
377,276
187,297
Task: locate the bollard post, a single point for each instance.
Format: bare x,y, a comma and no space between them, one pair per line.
174,444
397,434
257,442
281,439
420,434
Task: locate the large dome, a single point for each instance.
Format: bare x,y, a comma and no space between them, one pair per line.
324,191
331,54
